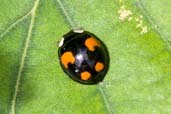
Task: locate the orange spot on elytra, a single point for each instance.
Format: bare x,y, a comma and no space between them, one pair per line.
67,58
99,66
85,75
91,43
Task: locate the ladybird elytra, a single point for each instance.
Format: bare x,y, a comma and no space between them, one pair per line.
99,66
67,58
91,43
85,75
83,57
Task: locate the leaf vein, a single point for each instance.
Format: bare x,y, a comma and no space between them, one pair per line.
106,102
14,24
152,22
65,13
33,14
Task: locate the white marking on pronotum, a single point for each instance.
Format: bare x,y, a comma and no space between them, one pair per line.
78,30
61,42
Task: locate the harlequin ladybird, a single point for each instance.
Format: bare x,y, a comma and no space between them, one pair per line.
83,57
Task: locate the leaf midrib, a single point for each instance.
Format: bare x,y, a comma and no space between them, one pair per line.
24,54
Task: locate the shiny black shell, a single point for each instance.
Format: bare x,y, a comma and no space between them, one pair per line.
83,59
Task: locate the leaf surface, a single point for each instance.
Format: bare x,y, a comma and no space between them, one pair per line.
32,81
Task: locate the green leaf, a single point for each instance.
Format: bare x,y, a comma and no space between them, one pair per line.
32,81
